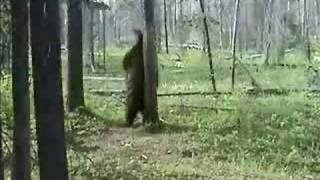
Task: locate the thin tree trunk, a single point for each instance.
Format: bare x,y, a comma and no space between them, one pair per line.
1,137
165,24
317,6
2,46
301,18
75,59
1,120
181,19
230,33
46,64
220,25
246,35
150,66
234,40
115,24
175,17
20,90
158,25
119,30
1,148
104,40
91,24
304,18
98,29
204,46
308,46
307,33
207,35
269,30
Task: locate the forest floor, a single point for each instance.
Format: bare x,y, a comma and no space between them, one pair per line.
227,137
137,154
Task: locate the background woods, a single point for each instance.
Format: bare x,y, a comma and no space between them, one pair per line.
232,87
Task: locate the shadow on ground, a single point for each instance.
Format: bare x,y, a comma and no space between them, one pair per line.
162,127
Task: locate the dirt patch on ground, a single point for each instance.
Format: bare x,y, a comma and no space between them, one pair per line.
136,154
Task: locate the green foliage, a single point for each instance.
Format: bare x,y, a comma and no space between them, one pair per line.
272,131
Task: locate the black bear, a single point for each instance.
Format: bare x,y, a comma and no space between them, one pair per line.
134,68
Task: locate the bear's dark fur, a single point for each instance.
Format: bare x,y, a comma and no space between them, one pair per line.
134,68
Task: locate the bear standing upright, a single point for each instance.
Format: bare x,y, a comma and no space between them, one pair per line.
134,68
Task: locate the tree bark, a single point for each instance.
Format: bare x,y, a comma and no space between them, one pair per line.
1,148
307,33
158,25
304,18
20,90
269,11
317,13
166,24
259,25
46,64
207,35
181,24
150,66
175,17
104,39
220,25
75,61
1,153
91,24
234,41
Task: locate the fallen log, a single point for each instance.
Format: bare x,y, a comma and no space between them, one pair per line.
103,78
194,93
107,93
252,92
203,107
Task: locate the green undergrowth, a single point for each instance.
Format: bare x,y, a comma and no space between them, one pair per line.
271,133
278,133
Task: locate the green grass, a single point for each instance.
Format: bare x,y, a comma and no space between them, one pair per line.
275,134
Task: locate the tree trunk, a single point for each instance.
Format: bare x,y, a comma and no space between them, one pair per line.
259,25
165,24
1,148
230,33
150,66
170,20
97,29
181,24
158,25
301,18
115,27
20,90
307,33
269,16
1,120
91,24
1,152
64,36
75,61
175,17
246,34
304,19
204,46
234,40
104,40
317,13
46,64
207,35
220,25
